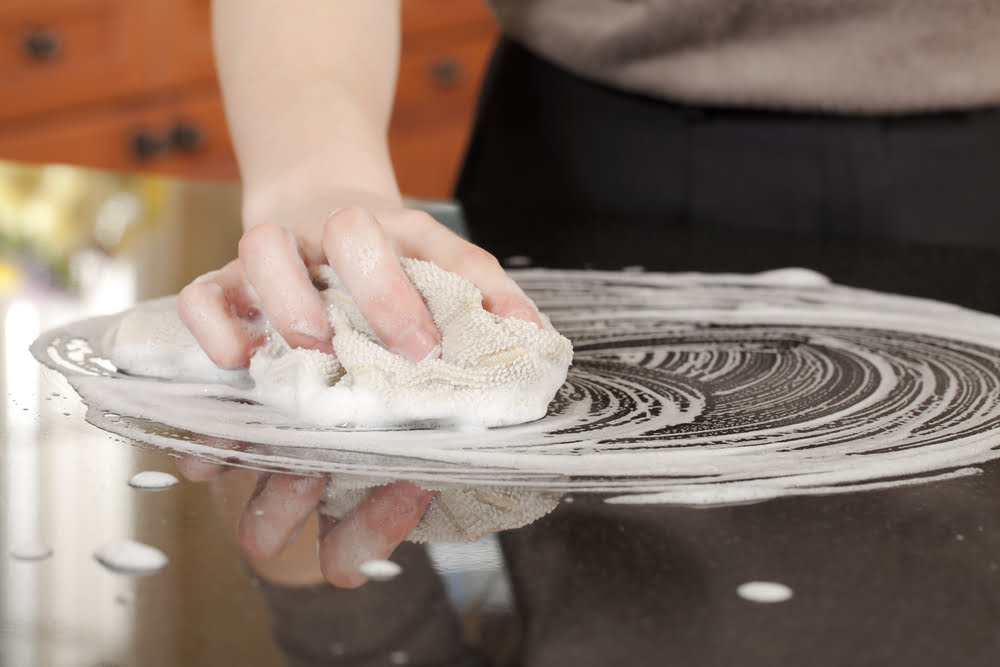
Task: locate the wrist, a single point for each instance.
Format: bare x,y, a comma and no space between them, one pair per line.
300,203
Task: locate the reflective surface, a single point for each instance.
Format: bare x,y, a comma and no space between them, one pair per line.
903,576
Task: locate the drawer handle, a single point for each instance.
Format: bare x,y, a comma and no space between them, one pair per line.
181,137
145,145
41,45
184,136
446,71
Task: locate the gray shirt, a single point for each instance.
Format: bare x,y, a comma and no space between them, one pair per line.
851,56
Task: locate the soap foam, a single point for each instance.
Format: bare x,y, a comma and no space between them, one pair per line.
152,480
130,557
31,551
152,341
380,570
764,592
685,389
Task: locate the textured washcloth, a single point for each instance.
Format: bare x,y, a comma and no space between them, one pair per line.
457,513
493,371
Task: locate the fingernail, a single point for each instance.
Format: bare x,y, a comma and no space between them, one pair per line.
309,342
419,345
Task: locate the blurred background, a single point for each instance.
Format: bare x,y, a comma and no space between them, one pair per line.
118,183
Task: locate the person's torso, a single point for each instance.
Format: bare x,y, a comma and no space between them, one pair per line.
854,56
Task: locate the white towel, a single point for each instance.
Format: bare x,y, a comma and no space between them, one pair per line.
493,371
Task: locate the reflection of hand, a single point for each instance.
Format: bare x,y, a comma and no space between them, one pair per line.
224,309
275,530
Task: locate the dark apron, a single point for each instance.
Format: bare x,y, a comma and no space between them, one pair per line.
572,173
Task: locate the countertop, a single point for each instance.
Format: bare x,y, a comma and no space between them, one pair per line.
904,576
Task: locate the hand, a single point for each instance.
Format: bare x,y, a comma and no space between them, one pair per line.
276,530
225,309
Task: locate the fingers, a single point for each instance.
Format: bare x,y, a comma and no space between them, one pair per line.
196,470
422,237
372,531
275,511
223,310
270,256
223,313
359,251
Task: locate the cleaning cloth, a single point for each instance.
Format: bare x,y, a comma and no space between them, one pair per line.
492,371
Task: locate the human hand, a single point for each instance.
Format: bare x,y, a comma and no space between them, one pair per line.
225,309
277,530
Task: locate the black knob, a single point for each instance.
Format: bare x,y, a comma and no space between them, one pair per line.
40,44
146,145
184,136
446,72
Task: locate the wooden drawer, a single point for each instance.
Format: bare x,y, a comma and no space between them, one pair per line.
423,16
124,67
55,55
185,136
441,79
183,42
427,158
436,96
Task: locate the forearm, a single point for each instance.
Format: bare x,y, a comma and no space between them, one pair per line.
308,86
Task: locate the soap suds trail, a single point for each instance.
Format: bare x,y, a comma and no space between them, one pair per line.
685,389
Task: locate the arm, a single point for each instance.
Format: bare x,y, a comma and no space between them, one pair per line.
308,86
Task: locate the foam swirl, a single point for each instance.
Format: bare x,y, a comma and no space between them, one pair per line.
687,388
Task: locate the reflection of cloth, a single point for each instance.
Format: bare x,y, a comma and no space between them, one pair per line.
457,514
492,371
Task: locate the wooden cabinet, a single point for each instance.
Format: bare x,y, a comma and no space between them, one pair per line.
130,85
446,44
